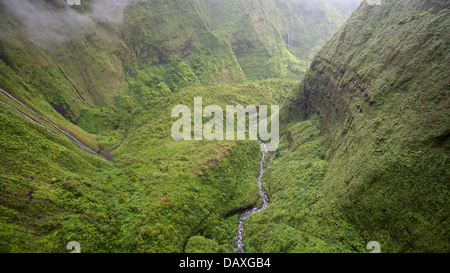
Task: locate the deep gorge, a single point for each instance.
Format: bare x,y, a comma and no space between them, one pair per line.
363,156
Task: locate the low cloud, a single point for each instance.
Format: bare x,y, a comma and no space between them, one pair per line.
48,22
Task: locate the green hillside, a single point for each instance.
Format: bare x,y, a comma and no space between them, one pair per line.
87,153
365,140
108,75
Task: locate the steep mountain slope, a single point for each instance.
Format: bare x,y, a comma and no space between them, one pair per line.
106,70
365,145
79,55
304,23
265,35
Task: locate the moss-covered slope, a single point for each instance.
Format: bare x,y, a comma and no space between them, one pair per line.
366,138
104,71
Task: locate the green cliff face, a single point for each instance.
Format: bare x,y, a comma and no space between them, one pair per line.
109,73
79,56
366,138
364,150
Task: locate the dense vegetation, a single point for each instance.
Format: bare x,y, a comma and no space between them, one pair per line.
365,140
364,148
106,80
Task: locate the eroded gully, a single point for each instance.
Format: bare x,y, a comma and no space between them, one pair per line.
247,213
242,217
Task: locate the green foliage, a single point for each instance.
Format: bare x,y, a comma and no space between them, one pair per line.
57,195
363,154
98,119
199,244
293,223
188,188
152,197
378,96
179,75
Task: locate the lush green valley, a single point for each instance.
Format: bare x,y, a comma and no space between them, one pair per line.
364,125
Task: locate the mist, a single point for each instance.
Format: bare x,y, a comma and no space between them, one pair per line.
46,22
339,4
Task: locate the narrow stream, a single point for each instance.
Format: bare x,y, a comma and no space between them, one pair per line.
240,229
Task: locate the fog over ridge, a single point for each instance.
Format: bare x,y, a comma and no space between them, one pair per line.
46,23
